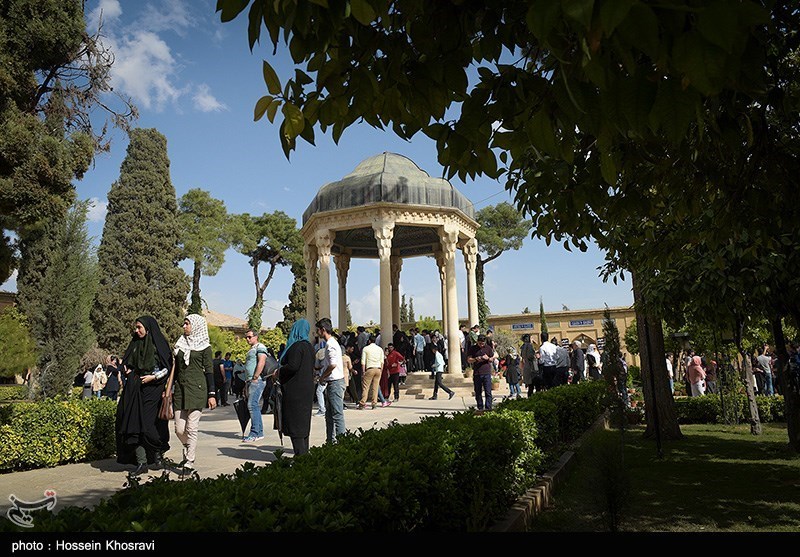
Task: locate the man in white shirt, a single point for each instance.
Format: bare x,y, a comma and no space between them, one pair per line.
548,352
419,348
332,376
671,374
372,358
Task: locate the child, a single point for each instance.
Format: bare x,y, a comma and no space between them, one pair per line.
512,373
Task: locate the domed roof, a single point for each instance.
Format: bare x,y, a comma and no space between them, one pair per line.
388,178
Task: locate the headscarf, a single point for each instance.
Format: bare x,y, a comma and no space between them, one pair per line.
142,353
197,339
300,331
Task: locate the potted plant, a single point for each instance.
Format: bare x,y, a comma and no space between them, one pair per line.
495,381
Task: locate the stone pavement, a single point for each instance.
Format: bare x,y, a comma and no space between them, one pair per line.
220,451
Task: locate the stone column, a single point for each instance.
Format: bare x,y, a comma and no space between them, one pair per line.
441,263
448,235
384,232
324,241
396,264
310,259
342,262
470,250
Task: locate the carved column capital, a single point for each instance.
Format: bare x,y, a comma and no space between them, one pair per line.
396,263
448,237
470,250
342,262
324,242
384,232
310,255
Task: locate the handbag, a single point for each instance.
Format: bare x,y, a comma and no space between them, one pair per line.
166,411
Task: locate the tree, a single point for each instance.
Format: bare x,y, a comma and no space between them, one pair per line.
602,113
411,318
427,323
16,344
502,228
206,234
296,308
140,247
272,239
542,317
63,330
55,77
403,309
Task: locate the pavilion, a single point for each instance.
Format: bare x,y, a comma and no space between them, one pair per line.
390,209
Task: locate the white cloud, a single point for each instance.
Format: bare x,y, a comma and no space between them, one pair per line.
97,210
171,15
109,10
145,69
204,101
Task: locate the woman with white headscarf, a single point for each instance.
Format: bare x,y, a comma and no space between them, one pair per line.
593,362
194,383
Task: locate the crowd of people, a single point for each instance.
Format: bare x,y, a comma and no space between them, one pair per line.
331,369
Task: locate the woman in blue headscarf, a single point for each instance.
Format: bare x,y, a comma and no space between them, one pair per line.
296,376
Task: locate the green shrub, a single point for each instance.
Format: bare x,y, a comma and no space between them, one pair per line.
416,477
707,409
563,413
53,432
13,392
634,375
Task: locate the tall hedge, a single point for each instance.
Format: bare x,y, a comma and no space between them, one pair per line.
139,251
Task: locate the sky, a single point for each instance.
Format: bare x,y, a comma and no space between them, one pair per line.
196,81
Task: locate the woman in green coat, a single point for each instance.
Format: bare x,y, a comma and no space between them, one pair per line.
194,383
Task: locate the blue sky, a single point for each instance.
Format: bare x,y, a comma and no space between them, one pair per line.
196,81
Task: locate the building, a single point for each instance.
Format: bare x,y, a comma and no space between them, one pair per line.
585,325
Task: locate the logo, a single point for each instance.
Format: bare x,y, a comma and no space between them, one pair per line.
20,510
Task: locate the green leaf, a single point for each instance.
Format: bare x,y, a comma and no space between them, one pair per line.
261,107
608,168
271,79
718,24
230,9
542,17
640,29
323,3
580,11
540,132
362,11
294,120
273,109
612,13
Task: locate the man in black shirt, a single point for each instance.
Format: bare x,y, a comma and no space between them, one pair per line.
480,356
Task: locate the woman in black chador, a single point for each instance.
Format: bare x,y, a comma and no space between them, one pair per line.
143,438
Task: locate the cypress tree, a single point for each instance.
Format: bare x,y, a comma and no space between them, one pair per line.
60,324
140,248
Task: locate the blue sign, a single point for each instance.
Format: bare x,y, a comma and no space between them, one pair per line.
581,323
517,326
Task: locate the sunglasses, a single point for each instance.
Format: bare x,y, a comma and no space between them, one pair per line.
248,336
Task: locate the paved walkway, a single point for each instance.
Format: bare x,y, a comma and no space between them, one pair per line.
220,451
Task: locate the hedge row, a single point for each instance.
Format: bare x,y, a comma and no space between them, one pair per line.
563,413
53,432
707,409
445,473
13,392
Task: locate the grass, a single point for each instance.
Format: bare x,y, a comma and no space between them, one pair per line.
717,479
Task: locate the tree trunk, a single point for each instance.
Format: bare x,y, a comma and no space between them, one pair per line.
655,378
483,307
196,303
790,397
749,380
